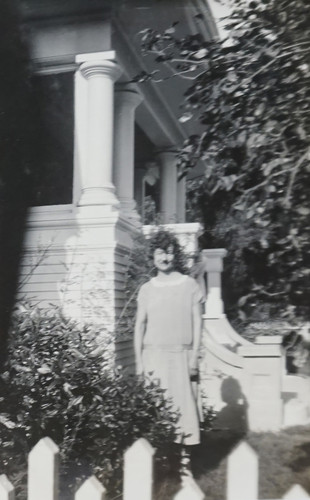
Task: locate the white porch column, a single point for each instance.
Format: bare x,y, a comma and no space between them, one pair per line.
181,201
168,187
214,267
96,182
126,101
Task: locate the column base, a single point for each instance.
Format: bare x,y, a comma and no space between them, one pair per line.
167,218
99,196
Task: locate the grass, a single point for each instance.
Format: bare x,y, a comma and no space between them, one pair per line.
284,459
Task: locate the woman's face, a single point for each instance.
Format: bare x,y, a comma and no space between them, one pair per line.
163,259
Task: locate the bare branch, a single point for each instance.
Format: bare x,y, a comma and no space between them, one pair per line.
40,258
287,200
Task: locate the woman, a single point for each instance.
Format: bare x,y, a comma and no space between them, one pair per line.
168,332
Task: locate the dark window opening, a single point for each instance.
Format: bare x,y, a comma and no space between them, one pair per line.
52,155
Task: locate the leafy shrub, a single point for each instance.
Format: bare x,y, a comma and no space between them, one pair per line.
59,382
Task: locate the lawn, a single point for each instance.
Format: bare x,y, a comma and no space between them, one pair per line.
284,459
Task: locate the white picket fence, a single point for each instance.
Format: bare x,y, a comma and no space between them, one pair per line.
43,463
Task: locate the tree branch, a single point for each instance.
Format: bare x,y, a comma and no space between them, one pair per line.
42,253
269,294
266,181
287,201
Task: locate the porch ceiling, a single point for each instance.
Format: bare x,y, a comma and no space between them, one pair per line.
159,114
47,9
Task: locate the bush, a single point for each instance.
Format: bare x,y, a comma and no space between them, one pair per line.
59,382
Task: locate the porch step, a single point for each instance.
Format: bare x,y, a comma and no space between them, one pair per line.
296,399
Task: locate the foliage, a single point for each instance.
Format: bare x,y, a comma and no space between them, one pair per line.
250,93
59,382
150,213
297,348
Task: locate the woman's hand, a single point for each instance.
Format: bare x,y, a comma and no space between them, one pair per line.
193,364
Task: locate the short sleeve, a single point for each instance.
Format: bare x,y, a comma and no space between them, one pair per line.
197,294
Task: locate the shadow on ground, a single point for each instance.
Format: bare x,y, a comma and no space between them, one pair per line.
215,447
229,427
302,462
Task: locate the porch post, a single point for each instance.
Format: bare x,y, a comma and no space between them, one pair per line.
126,101
214,267
96,182
181,201
168,187
262,382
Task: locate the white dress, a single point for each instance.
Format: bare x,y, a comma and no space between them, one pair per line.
167,345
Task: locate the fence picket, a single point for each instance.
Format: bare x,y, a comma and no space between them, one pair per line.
242,473
296,492
43,471
7,491
43,476
138,471
189,491
92,489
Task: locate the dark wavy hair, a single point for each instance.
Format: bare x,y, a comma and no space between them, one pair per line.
163,239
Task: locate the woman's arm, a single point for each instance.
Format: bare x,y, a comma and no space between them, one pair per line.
197,328
138,337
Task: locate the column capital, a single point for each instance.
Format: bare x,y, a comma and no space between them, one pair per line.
125,94
166,153
215,252
103,67
214,259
